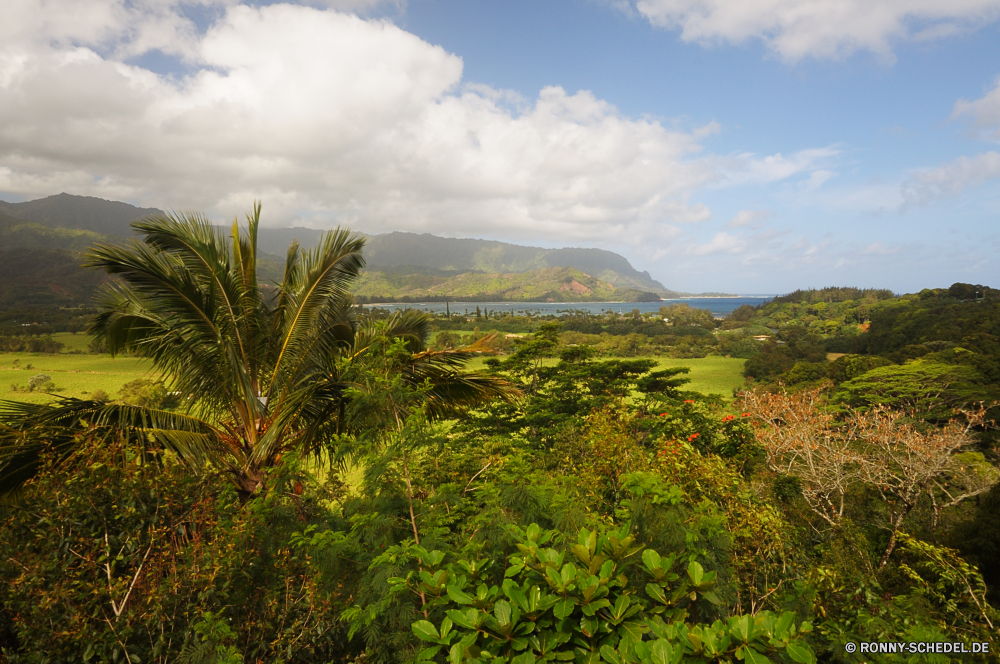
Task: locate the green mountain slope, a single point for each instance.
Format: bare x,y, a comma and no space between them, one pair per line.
44,278
551,284
17,233
79,212
412,253
399,264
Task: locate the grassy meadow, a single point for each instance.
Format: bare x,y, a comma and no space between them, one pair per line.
709,375
79,375
74,375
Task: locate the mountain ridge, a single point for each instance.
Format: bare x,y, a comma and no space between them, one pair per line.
71,222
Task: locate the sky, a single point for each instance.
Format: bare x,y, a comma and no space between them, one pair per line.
741,146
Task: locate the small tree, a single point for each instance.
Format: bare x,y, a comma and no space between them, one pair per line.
879,448
40,382
804,441
903,462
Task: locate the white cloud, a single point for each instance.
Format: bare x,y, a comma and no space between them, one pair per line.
984,112
750,169
951,179
721,243
749,218
331,118
796,29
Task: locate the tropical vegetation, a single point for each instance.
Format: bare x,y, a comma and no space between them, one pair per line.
297,480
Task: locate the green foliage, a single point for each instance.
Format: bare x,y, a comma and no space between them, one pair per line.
595,602
40,382
137,556
29,344
261,373
146,394
924,386
976,538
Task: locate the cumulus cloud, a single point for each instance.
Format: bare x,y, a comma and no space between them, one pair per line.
749,168
796,29
749,218
951,179
984,113
721,243
332,118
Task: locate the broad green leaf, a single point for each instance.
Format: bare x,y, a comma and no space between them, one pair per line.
661,652
740,627
588,626
428,653
524,658
466,619
425,630
695,572
782,627
751,656
610,655
656,592
568,574
621,604
632,630
445,627
651,559
455,654
563,607
502,611
459,596
534,598
800,652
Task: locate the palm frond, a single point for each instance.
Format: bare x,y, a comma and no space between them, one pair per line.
28,431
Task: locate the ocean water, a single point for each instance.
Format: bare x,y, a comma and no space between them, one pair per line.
719,306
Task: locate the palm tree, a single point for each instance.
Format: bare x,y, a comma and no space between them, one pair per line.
263,371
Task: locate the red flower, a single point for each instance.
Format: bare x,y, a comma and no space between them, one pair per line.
693,436
664,414
746,414
689,401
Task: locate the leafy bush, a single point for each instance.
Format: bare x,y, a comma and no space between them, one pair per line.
592,607
139,556
148,394
41,383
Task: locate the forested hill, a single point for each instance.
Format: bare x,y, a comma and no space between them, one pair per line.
61,222
399,250
79,212
415,253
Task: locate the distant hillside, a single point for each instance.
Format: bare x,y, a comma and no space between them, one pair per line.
45,278
411,253
551,284
79,212
72,222
17,233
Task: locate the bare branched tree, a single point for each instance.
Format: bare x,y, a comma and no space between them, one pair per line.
881,448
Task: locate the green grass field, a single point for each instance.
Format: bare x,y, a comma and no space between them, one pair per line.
73,375
71,342
709,375
77,375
